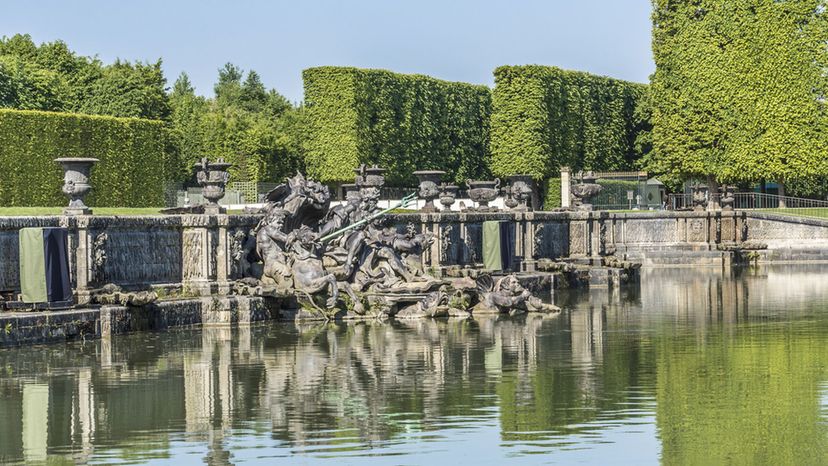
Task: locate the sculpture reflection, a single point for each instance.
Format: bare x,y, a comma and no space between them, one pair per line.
723,366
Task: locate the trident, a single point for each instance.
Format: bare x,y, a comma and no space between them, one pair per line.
404,202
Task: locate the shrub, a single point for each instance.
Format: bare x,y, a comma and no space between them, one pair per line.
544,118
552,200
135,158
400,122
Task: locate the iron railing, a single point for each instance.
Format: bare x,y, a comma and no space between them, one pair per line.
771,203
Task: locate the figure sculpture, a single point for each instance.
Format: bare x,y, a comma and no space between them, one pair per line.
351,258
507,295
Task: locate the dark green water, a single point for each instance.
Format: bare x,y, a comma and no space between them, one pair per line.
696,368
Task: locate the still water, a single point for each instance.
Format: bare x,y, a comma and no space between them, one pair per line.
699,366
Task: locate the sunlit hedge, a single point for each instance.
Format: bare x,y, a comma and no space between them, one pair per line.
401,122
544,118
135,158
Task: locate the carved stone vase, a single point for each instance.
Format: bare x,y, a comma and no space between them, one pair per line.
520,192
429,187
369,177
484,192
699,198
728,198
76,171
448,195
213,177
584,191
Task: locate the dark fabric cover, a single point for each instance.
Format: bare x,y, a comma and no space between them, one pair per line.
44,265
507,244
56,256
498,245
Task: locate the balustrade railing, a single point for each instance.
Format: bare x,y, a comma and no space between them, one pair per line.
772,203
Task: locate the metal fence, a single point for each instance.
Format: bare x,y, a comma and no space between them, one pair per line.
758,201
624,191
251,192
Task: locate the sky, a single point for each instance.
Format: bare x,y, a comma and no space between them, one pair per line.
462,40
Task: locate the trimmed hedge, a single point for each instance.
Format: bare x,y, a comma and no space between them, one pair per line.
400,122
739,90
544,118
552,200
135,158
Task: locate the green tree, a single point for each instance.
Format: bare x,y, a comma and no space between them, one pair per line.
257,130
52,77
187,118
738,91
126,89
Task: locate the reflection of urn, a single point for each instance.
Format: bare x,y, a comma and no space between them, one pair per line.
448,194
519,192
212,177
483,192
429,189
76,186
585,190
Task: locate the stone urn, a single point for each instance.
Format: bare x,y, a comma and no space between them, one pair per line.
369,177
350,189
584,191
728,197
519,192
484,192
212,177
76,186
448,194
699,198
429,187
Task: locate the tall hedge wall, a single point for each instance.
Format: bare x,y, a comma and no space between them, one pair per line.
135,159
398,121
739,90
545,117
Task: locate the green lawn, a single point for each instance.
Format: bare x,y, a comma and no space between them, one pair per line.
31,211
816,212
27,211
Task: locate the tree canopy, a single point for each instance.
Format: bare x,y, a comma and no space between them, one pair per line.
255,128
738,91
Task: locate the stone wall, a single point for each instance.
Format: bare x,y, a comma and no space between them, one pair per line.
199,252
203,253
9,246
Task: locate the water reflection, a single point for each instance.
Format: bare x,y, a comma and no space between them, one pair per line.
696,366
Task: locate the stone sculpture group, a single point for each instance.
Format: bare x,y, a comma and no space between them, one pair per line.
348,260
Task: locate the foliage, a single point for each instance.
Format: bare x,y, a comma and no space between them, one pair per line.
739,89
255,129
752,396
544,118
128,90
52,77
401,122
552,200
134,162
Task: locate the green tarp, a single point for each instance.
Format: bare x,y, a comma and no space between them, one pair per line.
32,266
44,265
491,246
498,245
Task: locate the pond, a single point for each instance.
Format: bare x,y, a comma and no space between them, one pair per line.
698,366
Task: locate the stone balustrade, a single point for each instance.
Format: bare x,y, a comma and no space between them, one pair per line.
204,253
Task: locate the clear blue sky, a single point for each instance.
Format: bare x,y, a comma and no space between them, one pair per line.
454,40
